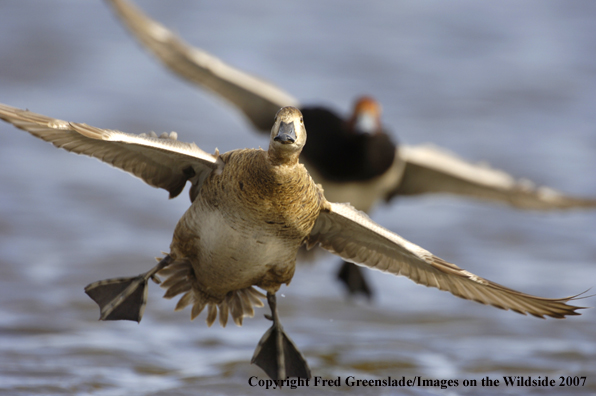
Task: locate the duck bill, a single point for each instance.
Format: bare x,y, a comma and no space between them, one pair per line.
286,133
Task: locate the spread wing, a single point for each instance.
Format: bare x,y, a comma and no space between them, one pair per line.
352,235
258,99
432,170
162,162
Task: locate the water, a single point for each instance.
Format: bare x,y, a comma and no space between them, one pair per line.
510,83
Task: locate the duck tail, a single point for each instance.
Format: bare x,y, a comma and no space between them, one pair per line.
180,278
239,303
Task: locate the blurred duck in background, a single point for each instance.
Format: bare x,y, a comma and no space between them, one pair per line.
354,158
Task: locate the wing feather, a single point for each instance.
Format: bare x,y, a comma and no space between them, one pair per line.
351,234
259,100
432,170
161,162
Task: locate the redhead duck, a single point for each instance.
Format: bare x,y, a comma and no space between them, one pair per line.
251,210
365,166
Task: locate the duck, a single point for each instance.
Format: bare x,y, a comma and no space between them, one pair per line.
251,210
354,157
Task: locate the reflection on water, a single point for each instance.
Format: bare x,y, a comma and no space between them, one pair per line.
512,85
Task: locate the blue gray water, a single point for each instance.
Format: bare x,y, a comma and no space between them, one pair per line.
511,83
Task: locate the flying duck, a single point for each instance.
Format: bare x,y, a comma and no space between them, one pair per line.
251,210
354,159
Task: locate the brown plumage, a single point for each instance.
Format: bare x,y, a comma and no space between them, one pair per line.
272,204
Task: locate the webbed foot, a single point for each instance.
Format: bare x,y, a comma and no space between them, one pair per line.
123,298
352,277
276,354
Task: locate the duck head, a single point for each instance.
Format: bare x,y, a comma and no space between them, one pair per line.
366,117
288,136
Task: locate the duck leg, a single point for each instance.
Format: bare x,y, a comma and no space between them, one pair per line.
353,278
124,298
276,354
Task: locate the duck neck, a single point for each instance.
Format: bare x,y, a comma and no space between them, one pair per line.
278,158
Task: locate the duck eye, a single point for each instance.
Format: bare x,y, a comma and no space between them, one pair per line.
301,121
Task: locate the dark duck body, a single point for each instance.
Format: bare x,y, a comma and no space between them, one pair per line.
342,153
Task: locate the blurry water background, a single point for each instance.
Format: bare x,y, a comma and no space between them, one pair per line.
509,82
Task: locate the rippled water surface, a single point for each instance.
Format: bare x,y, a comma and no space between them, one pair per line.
512,83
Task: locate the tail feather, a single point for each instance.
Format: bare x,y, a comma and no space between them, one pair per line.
175,267
211,314
175,278
197,308
223,314
184,301
246,305
180,279
177,288
255,296
237,311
